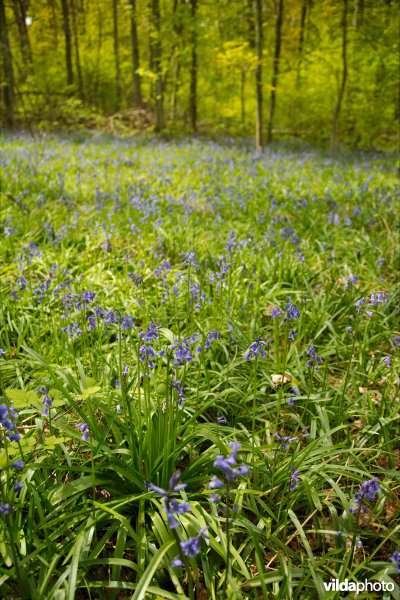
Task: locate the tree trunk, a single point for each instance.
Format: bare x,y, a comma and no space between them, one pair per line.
52,8
336,112
259,88
76,48
275,71
193,68
68,47
137,84
358,13
7,87
155,55
303,18
116,56
20,10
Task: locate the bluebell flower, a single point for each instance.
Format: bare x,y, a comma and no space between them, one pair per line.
18,487
314,359
255,349
294,477
291,310
359,302
136,278
387,360
190,260
378,298
176,562
221,420
215,498
227,464
176,384
352,279
126,322
285,440
47,402
395,558
18,464
368,490
396,341
84,429
5,508
211,337
191,547
2,352
276,312
215,483
150,334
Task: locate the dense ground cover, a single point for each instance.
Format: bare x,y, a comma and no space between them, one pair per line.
194,308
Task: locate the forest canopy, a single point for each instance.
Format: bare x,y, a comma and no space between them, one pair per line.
326,71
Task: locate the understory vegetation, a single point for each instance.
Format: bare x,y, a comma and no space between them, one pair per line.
199,353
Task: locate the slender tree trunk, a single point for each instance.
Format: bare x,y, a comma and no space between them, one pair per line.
303,18
155,55
137,84
193,67
259,87
76,49
176,55
20,12
336,112
275,71
54,28
358,13
175,86
68,46
116,56
7,87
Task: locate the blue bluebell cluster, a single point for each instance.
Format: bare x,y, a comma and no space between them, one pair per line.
294,478
46,401
368,491
256,349
228,464
173,509
314,359
8,418
84,429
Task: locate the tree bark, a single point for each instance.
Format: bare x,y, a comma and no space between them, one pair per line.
358,13
137,84
336,112
193,67
303,19
76,49
259,87
155,55
52,8
7,86
116,55
68,45
20,12
275,71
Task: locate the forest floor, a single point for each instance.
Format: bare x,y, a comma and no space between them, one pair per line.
199,370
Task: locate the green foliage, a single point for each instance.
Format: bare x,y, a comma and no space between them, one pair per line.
310,69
